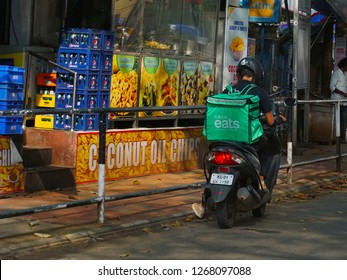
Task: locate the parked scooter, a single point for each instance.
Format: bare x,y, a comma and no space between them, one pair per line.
232,175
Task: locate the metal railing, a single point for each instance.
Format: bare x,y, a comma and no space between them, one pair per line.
290,165
58,66
101,198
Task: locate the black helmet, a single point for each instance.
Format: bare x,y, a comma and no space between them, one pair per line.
251,67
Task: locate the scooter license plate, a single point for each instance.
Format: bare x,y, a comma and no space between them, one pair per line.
222,179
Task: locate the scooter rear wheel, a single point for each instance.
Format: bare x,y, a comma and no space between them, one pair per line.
208,201
226,212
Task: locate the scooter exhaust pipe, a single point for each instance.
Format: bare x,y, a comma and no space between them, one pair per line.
248,195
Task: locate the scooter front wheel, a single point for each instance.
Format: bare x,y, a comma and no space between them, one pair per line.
226,212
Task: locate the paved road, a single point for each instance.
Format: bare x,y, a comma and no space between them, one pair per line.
297,229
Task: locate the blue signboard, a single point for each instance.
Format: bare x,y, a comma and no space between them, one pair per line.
264,11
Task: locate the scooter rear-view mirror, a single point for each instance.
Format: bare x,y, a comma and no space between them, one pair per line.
290,102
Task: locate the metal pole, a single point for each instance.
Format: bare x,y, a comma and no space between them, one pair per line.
262,38
102,159
65,13
338,137
26,79
73,100
290,163
290,148
295,70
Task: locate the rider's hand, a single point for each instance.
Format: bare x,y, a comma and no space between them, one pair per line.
284,119
278,120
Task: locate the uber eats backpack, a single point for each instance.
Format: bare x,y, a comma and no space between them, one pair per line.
233,116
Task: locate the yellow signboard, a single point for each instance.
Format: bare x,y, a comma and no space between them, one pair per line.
138,152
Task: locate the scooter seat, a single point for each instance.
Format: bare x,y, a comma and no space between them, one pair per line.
239,145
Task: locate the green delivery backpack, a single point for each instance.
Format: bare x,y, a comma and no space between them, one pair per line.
233,116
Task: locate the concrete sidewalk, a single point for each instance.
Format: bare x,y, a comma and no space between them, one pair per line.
64,226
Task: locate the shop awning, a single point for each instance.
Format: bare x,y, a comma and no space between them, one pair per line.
326,7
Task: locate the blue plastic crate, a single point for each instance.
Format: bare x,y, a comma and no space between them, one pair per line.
11,75
11,94
85,122
107,40
86,80
83,99
87,99
79,59
11,125
104,99
9,105
105,81
82,38
63,98
11,86
106,61
62,121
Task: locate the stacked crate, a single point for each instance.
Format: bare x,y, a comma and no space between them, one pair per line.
89,53
45,98
11,98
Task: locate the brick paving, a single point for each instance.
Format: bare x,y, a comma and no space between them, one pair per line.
81,223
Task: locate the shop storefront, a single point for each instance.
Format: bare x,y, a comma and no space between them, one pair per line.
166,53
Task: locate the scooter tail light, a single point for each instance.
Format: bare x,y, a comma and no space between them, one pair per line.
224,158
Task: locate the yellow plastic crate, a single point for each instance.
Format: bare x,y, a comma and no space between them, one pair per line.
44,121
45,100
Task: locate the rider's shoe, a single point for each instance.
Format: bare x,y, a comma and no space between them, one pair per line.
263,186
264,191
198,210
